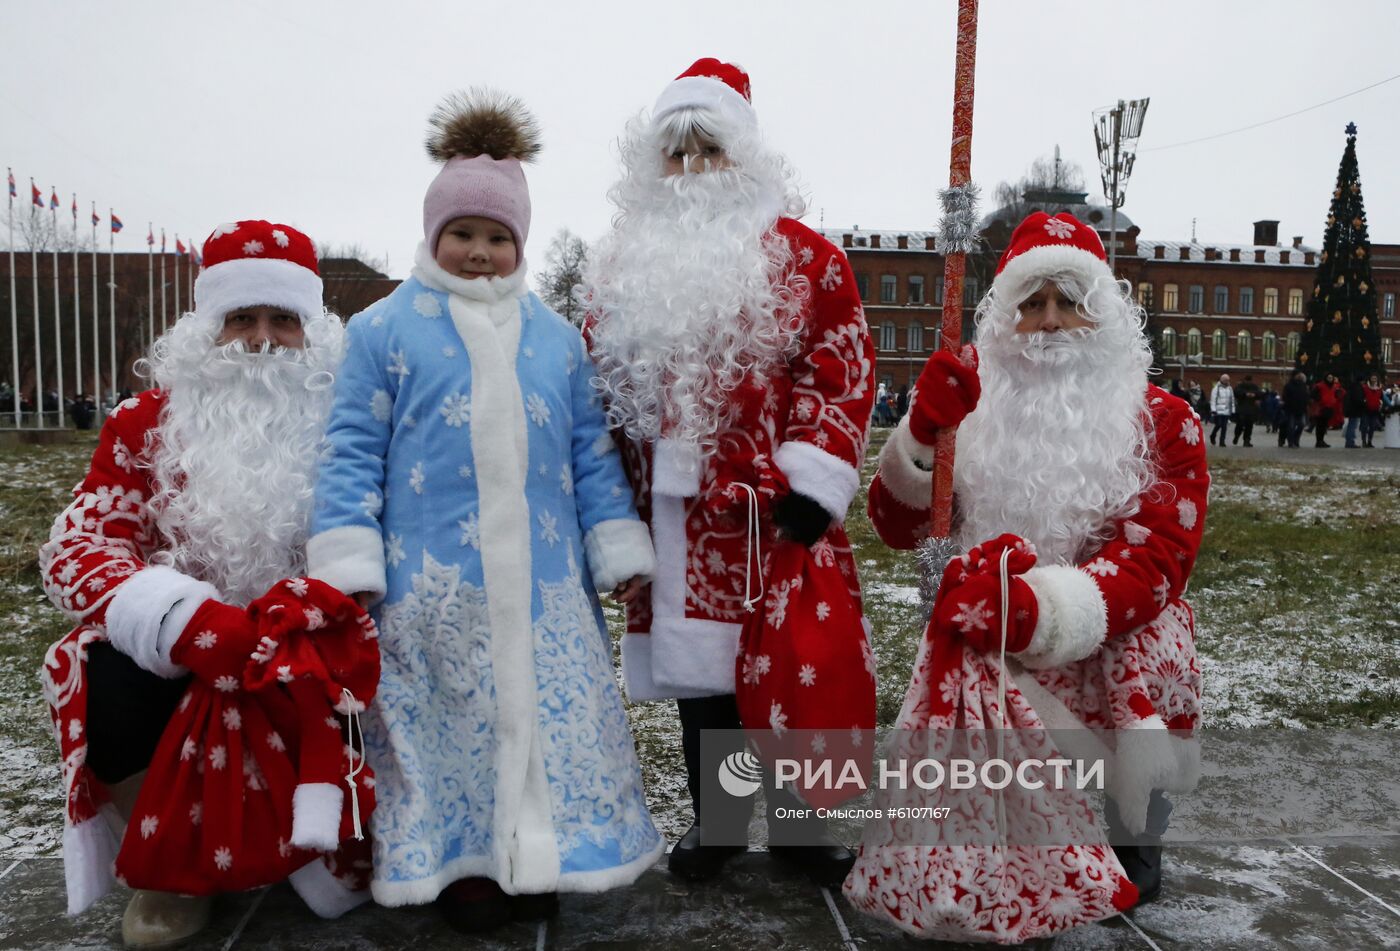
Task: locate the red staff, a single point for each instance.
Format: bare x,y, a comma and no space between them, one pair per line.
957,235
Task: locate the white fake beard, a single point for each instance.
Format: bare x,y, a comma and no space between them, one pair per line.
1058,447
239,441
693,296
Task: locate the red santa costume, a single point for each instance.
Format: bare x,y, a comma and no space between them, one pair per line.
199,492
732,349
1071,449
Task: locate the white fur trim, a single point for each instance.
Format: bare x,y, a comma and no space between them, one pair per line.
675,469
694,656
316,816
322,893
618,549
142,601
705,92
619,876
350,559
488,290
636,674
1073,618
254,282
89,849
522,825
829,480
902,479
1049,259
1149,757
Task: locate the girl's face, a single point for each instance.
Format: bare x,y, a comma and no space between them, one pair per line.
698,154
472,247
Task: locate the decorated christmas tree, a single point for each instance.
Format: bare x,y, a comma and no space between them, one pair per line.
1341,334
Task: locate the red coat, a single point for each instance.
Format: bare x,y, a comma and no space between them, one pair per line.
807,428
1115,645
95,569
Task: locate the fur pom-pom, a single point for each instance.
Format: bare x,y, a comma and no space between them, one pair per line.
482,122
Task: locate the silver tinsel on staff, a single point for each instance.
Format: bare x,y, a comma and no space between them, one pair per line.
957,229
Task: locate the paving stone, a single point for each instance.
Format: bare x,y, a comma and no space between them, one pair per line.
33,913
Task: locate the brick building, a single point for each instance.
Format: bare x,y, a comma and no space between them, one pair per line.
1240,308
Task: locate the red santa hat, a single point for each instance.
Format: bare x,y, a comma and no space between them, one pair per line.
258,264
712,85
1042,245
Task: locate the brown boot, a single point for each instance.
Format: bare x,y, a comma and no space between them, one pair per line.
163,919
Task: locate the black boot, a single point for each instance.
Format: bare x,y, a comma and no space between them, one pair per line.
826,862
1143,865
694,861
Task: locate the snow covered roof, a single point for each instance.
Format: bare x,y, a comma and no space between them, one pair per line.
1196,251
889,240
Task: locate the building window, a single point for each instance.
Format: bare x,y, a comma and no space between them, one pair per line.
1217,345
1385,349
1244,343
1222,299
889,288
1193,342
916,289
863,285
1196,303
938,291
1295,302
1271,300
1169,301
1388,307
1167,346
916,338
972,292
887,335
1144,295
1268,347
1295,339
1246,300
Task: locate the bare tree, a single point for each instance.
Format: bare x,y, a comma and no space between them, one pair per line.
562,275
1046,183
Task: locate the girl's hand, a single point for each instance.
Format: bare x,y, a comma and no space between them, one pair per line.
627,591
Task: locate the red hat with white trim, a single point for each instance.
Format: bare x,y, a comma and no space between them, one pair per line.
712,85
258,264
1043,245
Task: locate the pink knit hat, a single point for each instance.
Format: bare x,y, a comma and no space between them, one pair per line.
482,137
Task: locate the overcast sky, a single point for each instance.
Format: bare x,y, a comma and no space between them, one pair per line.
193,113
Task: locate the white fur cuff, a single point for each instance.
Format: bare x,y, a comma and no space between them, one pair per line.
142,601
322,893
316,816
637,678
349,559
1073,618
675,469
618,549
828,480
907,483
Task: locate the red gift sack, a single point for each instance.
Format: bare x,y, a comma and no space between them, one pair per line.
216,810
805,663
1002,865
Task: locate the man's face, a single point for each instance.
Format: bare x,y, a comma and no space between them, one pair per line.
695,156
1224,379
256,326
1048,310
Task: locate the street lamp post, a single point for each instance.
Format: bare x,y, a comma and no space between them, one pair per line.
1116,132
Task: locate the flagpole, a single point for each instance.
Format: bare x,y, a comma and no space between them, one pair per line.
96,323
177,276
14,306
162,281
150,282
112,303
77,315
57,322
34,267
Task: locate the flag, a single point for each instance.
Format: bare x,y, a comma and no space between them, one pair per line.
38,196
116,223
162,240
75,209
150,236
13,193
96,219
179,245
194,253
53,199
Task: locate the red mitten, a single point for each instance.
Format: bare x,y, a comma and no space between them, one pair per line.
969,597
216,644
947,391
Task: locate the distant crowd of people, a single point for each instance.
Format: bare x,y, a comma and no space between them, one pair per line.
1359,410
81,411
